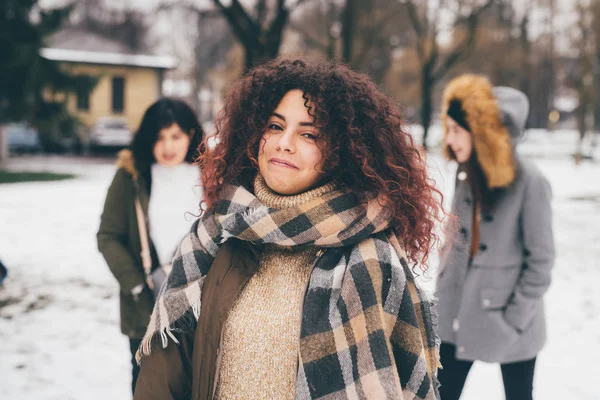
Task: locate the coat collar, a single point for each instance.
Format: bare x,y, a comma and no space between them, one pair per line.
126,161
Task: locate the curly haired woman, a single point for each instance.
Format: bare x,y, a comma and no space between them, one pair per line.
295,282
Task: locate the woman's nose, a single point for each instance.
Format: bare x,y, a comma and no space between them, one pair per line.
286,142
168,145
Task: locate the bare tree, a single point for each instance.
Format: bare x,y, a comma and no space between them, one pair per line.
319,27
363,34
595,11
259,32
349,20
426,20
581,77
125,25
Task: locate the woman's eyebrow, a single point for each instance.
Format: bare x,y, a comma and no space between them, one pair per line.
307,123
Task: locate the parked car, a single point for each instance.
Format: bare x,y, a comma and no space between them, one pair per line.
22,138
110,132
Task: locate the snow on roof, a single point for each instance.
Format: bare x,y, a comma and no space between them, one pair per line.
94,57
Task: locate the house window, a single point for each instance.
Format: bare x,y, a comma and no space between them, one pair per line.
83,99
118,94
83,89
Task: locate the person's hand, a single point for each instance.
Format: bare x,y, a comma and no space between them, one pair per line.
135,292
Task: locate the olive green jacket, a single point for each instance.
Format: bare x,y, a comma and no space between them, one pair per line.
119,243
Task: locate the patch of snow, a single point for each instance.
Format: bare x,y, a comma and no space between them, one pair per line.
59,317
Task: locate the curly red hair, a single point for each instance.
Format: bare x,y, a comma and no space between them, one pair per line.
365,145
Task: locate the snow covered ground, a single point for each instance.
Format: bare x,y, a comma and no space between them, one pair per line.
59,331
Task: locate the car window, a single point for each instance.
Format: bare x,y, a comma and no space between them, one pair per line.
113,125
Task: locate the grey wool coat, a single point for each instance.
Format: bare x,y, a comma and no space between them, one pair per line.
492,309
491,305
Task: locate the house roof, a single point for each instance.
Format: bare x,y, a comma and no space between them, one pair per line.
81,46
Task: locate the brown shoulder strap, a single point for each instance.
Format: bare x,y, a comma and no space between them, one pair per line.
146,258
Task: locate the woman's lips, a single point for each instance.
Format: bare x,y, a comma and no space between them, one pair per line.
282,163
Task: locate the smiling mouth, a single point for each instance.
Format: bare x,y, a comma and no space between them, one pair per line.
281,163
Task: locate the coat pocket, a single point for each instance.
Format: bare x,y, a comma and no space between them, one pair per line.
494,301
494,298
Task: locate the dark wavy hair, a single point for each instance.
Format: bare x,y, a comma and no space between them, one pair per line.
365,144
162,114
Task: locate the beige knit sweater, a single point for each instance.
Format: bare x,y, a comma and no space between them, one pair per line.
261,334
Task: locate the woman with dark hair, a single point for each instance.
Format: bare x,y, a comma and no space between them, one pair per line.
144,213
297,282
497,268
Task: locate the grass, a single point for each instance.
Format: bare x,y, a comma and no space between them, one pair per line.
16,177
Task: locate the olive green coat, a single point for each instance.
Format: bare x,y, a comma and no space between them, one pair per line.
119,243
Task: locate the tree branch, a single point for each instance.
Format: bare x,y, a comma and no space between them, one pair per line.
466,46
211,12
261,11
371,35
244,28
279,22
417,27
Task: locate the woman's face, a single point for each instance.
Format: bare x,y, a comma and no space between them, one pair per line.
459,139
171,147
289,158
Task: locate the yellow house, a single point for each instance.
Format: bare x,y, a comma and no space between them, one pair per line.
128,82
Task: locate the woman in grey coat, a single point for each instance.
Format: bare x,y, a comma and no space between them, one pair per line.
496,268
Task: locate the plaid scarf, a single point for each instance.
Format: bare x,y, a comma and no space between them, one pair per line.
367,330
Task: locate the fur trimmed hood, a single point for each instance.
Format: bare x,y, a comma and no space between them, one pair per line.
495,116
126,161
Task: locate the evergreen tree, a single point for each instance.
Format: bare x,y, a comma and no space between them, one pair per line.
28,81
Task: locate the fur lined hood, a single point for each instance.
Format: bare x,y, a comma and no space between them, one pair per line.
126,161
494,116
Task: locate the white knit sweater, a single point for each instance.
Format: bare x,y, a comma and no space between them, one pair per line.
174,204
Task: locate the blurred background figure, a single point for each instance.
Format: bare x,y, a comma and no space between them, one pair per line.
3,272
492,280
158,172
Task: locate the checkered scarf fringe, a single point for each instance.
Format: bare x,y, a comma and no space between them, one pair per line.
367,331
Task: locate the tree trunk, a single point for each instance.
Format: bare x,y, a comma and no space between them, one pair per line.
256,55
331,39
252,57
427,85
348,30
597,92
268,43
582,127
525,80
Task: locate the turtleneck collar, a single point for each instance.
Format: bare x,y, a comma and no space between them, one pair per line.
278,202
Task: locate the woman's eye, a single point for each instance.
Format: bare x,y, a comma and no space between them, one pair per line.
275,127
310,136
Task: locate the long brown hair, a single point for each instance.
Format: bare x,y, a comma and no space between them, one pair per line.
485,196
